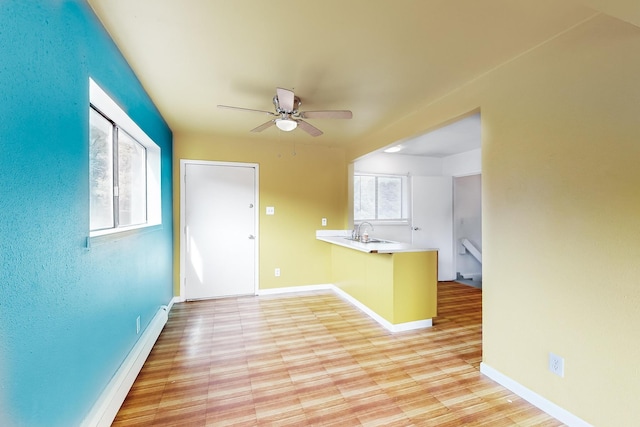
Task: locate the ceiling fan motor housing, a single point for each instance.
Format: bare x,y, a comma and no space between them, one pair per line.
296,106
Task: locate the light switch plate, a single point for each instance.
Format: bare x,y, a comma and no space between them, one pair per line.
271,210
324,222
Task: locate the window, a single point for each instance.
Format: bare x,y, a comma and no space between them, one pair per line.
381,198
124,169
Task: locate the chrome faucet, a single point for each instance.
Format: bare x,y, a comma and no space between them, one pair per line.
359,234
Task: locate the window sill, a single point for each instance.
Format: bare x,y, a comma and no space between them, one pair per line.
383,223
108,236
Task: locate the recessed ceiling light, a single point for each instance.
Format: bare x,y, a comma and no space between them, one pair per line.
394,149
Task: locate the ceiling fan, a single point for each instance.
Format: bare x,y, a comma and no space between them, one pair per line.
288,117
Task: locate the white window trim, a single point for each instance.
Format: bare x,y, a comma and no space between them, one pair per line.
99,98
406,197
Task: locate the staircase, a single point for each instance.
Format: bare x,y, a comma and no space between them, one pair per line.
472,279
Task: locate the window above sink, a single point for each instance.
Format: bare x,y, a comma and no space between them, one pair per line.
381,198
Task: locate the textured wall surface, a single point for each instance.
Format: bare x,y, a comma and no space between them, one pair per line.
67,314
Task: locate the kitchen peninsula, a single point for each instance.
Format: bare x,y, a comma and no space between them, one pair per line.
395,283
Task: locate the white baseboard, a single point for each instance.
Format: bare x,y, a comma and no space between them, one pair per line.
106,407
411,326
307,288
400,327
534,398
174,300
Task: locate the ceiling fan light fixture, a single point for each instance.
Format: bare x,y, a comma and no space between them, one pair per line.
286,125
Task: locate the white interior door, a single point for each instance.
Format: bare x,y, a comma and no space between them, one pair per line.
432,219
220,230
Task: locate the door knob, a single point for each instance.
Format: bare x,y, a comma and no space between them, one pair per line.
252,237
417,228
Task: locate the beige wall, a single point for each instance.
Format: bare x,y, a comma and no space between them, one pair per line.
303,188
561,215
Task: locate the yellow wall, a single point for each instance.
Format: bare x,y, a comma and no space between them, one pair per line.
415,292
561,215
561,212
366,277
303,188
400,287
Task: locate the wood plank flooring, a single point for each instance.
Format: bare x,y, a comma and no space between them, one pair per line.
313,359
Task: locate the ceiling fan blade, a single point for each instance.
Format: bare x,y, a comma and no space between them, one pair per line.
285,99
247,109
264,126
327,114
311,130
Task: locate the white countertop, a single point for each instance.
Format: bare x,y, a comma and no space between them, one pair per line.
340,238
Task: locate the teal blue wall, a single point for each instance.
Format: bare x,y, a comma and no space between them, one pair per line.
67,314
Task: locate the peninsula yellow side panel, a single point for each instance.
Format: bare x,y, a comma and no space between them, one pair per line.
400,287
366,277
414,286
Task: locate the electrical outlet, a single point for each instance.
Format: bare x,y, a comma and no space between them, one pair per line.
137,325
556,364
271,210
277,272
324,222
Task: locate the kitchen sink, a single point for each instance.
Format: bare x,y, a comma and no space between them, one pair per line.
372,240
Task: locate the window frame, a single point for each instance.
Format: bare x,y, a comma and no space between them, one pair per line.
104,105
405,199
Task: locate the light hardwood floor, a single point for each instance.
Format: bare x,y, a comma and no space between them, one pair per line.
313,359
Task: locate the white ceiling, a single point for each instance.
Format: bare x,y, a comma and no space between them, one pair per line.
380,59
458,137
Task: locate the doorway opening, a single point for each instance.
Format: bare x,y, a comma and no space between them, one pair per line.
467,229
439,163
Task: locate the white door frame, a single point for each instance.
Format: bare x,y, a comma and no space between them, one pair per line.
183,253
